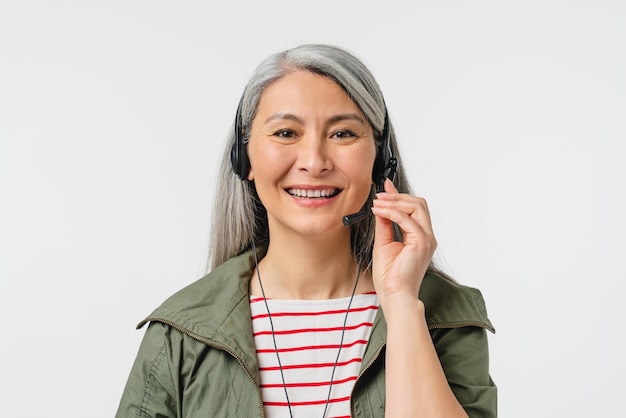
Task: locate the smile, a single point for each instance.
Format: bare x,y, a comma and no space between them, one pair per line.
313,193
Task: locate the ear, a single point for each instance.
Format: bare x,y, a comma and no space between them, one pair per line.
250,174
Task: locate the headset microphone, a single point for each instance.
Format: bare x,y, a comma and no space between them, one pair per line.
389,173
350,220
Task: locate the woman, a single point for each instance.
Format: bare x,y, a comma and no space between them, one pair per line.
290,320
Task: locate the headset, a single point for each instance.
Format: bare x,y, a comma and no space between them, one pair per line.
385,164
239,153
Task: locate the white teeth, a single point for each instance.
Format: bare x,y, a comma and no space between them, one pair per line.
311,193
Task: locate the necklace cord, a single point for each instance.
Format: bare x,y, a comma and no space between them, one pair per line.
269,316
343,333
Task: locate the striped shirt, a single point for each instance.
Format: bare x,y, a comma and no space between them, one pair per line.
308,335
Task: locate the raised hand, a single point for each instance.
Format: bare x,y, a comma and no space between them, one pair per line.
400,266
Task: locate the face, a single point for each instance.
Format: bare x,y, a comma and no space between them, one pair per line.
311,154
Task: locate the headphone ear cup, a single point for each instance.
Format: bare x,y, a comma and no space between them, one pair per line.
383,157
234,158
238,153
244,162
239,157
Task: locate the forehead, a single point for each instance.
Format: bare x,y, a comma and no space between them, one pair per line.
305,91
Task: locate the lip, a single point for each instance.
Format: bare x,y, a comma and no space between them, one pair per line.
312,196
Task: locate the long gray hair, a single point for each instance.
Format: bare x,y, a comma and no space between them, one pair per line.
239,217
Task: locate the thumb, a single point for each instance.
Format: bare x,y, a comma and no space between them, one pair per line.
383,232
384,226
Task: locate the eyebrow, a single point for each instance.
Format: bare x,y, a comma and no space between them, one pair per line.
283,115
333,119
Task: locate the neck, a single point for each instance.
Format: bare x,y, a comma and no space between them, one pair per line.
307,268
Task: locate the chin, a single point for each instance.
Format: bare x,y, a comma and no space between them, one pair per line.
312,228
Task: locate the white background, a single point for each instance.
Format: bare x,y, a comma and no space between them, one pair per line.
113,116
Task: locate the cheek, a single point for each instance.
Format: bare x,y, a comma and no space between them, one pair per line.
266,161
362,167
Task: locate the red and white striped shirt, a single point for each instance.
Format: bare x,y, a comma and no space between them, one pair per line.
308,335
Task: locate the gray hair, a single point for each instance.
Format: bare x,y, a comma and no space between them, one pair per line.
239,217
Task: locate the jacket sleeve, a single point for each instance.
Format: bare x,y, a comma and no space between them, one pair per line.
150,390
464,356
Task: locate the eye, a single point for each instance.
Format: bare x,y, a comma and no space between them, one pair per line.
284,133
344,134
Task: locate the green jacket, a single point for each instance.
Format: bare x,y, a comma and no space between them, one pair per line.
198,358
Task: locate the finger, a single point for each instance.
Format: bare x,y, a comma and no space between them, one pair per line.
414,234
383,231
403,219
404,202
390,187
414,207
408,201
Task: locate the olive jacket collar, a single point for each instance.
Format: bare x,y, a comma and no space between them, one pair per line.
216,310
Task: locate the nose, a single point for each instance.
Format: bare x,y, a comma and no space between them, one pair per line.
313,156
